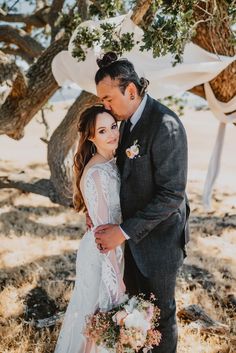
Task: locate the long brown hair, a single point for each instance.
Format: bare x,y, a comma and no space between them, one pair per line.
85,150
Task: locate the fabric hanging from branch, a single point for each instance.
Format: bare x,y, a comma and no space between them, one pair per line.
198,67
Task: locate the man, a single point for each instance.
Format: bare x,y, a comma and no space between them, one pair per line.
152,159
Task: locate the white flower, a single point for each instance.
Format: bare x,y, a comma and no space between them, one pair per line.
132,303
124,298
133,150
137,320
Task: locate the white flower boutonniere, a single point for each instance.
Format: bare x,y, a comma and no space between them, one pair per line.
133,150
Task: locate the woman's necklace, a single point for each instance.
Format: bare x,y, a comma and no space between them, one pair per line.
105,158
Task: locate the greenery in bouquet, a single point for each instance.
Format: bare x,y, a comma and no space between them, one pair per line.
129,327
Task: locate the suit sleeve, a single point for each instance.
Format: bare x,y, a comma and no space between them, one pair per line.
169,159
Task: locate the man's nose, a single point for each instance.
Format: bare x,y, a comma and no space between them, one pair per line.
107,105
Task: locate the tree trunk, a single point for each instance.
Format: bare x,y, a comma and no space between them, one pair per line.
61,148
215,38
63,139
56,7
19,108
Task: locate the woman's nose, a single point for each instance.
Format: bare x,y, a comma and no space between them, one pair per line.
113,133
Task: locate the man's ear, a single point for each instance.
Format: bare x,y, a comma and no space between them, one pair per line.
131,89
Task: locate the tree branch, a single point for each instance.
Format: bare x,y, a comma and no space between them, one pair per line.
56,7
17,52
9,71
43,187
140,10
17,111
39,19
19,37
83,9
203,322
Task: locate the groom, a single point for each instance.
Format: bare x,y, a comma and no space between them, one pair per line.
152,159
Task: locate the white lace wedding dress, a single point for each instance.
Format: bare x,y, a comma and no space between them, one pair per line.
99,283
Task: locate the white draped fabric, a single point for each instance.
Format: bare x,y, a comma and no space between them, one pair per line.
198,67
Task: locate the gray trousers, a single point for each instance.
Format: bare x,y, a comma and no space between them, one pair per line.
163,286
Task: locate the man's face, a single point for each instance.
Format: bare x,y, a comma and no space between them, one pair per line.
119,104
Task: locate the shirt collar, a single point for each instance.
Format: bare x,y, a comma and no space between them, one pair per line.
137,114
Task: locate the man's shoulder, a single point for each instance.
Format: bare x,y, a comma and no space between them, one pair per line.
161,113
162,109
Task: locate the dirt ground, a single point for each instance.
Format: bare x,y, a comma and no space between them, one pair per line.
39,240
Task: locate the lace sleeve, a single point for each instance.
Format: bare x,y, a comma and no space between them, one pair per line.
96,191
97,195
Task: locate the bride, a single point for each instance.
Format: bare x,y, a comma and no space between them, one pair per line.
99,276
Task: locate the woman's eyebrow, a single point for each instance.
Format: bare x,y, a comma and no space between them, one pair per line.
104,127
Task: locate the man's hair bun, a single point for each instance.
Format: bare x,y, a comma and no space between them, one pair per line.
144,84
107,59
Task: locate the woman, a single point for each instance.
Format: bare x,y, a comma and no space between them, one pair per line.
99,283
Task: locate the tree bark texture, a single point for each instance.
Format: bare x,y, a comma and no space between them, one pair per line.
9,71
215,36
56,7
20,38
61,148
17,111
23,103
63,139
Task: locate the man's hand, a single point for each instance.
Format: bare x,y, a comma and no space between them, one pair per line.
89,222
108,237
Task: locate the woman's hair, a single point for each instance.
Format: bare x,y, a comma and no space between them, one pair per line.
121,69
85,150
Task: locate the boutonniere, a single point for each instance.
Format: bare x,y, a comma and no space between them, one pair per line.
133,151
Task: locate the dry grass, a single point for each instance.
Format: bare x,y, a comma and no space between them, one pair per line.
39,242
38,250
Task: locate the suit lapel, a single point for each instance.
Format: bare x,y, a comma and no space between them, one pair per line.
122,126
138,130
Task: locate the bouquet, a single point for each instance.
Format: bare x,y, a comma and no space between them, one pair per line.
127,328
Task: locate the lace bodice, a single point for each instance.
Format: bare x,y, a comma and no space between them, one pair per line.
100,188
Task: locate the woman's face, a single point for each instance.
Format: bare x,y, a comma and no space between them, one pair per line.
106,135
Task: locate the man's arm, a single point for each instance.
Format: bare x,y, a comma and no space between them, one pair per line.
169,155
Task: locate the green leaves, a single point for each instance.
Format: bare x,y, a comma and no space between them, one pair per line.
86,38
172,26
171,29
106,8
107,36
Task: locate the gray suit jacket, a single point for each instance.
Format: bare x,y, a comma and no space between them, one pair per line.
153,200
